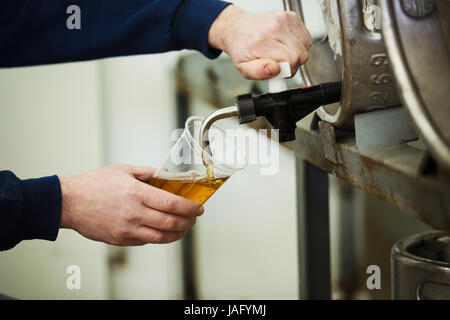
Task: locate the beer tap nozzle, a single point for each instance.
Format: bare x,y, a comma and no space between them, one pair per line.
284,109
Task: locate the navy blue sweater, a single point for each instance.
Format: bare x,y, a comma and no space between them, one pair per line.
34,32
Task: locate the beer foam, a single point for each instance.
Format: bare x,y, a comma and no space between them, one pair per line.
188,175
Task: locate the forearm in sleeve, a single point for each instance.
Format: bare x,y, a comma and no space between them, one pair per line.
34,32
29,209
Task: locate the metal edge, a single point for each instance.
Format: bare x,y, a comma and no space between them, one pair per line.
408,89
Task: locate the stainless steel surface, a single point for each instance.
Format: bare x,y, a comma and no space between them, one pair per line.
421,267
390,174
418,49
208,122
328,139
443,11
418,8
383,128
353,52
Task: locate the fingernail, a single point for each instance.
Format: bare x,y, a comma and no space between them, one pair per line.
269,69
201,210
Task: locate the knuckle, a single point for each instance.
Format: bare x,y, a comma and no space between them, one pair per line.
292,14
281,16
309,42
170,223
295,60
260,73
120,234
131,189
305,57
258,41
274,26
133,217
158,237
168,204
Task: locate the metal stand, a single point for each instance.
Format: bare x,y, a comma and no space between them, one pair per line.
313,232
344,210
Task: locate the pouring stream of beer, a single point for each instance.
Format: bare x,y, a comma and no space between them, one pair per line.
204,138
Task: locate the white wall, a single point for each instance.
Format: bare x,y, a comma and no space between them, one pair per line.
50,124
139,117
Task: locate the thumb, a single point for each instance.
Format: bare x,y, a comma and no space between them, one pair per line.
259,69
143,173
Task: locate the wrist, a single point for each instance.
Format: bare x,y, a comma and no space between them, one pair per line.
220,31
66,212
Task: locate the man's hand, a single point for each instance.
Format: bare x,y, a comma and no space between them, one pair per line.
114,205
256,42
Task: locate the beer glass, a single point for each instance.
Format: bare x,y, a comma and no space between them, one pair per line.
194,173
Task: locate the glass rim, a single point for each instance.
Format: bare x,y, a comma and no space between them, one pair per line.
197,148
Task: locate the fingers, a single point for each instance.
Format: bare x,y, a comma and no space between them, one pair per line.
150,235
298,28
265,38
293,37
294,51
294,43
277,51
167,202
142,173
259,69
166,221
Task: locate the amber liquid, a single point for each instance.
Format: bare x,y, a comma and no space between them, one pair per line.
198,190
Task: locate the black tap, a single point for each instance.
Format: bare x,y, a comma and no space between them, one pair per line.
285,108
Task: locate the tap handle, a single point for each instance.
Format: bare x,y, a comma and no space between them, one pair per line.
278,83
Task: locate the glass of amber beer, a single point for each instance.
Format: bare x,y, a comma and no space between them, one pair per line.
194,173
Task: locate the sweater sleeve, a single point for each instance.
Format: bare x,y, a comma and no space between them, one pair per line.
34,32
29,209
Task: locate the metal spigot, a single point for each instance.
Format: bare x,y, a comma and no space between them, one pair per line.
207,123
282,108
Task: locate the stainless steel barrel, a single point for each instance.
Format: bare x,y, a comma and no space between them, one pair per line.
421,267
417,36
352,51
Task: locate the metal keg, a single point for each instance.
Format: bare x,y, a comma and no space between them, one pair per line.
421,267
417,36
353,52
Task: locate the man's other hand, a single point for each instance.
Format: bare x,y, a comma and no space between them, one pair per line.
115,205
256,42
